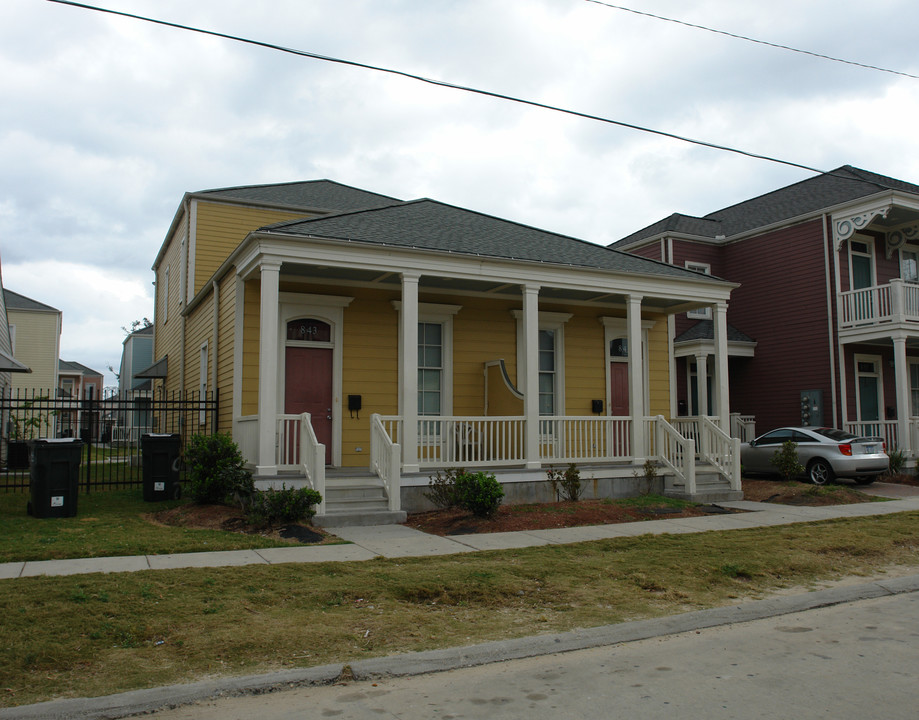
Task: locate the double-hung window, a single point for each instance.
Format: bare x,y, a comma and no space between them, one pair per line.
430,368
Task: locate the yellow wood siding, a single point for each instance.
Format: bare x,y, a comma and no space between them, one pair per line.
658,368
168,332
220,228
249,399
36,347
225,351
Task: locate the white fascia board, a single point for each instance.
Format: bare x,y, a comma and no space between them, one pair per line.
690,348
435,262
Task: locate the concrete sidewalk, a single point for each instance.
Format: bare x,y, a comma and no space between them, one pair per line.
394,541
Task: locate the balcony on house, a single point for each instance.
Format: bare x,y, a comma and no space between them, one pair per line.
894,303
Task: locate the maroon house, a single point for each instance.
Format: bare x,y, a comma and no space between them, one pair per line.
824,328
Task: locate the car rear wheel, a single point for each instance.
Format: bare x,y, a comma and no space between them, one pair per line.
819,472
865,480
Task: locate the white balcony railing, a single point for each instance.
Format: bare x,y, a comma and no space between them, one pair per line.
895,302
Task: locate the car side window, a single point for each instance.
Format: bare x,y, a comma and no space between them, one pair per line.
800,437
776,437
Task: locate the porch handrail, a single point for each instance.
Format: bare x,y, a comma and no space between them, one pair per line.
887,429
467,440
386,457
675,451
743,427
312,459
721,451
865,306
288,442
589,438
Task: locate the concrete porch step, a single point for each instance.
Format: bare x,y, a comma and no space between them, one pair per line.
357,501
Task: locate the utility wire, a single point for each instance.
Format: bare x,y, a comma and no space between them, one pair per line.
444,84
754,40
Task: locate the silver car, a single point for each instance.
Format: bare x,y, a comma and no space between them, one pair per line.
824,452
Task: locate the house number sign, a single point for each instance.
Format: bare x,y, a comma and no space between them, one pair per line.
309,330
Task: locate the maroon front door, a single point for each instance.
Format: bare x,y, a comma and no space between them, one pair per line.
618,389
308,388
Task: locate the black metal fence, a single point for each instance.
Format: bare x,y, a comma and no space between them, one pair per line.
110,429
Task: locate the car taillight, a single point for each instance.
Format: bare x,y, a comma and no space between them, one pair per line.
884,447
845,449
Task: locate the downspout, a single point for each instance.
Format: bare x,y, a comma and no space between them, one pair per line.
183,287
215,289
829,311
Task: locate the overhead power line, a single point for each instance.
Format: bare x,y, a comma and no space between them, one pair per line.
754,40
442,83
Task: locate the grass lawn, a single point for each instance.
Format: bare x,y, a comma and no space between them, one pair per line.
108,523
98,634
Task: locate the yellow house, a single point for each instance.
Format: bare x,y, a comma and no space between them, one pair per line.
360,344
35,334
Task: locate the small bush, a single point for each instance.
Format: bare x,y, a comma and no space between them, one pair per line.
442,488
648,475
566,484
479,493
214,470
897,461
287,505
786,460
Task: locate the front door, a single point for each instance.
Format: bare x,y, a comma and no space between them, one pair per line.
619,389
308,388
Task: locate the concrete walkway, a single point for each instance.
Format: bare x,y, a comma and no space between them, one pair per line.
394,541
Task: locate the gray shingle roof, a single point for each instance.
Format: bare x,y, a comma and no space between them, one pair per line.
705,330
322,195
808,196
431,225
15,301
69,367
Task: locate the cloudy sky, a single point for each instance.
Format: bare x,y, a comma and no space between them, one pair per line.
106,121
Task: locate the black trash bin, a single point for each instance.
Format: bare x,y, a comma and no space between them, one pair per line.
54,474
161,458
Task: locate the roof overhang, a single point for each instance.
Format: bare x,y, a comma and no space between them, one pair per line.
691,348
11,364
156,370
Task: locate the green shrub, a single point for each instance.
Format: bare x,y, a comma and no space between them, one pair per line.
442,488
786,460
897,461
566,484
479,493
287,505
214,470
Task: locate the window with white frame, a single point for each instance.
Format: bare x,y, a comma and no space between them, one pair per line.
202,386
861,264
914,388
547,372
550,361
701,313
430,368
909,264
166,294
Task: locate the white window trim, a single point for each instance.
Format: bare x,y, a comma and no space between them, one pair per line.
910,249
911,361
443,314
329,309
166,294
547,321
202,382
613,329
870,254
701,313
879,376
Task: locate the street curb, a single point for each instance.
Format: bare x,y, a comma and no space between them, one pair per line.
136,702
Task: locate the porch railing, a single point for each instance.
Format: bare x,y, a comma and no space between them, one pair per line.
886,429
743,427
312,454
288,447
721,451
898,301
673,450
386,457
585,439
464,440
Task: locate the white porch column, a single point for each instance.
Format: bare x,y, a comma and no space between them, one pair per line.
531,373
702,384
722,385
270,272
901,375
408,358
636,377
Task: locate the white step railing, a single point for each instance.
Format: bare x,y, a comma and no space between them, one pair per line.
673,450
721,451
288,442
312,455
386,457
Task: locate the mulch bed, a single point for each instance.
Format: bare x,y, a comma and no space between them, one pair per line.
230,519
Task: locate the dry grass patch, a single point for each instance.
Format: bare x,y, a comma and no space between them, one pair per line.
99,634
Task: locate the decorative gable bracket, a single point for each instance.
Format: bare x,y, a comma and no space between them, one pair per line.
900,237
845,227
